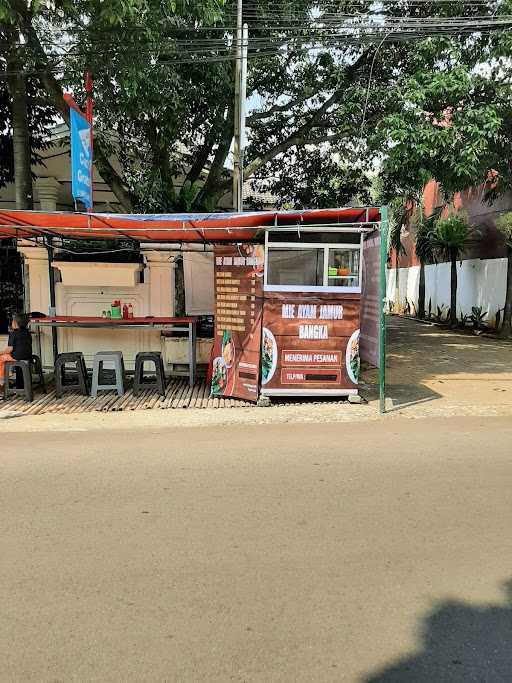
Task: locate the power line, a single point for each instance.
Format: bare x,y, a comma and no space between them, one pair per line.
186,52
228,58
391,24
378,8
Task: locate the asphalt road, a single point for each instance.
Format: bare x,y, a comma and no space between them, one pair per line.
365,552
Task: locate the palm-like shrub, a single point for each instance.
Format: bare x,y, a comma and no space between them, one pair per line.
504,225
398,220
449,239
424,248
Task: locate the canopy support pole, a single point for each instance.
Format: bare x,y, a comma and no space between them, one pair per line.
51,279
382,306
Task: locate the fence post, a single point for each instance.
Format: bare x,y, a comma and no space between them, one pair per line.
382,315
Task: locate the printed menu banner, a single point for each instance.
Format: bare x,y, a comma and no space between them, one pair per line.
238,311
310,341
370,299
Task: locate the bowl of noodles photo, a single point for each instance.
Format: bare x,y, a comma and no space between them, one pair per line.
353,362
219,376
228,349
269,354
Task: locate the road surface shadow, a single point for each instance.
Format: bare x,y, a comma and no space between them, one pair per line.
461,643
401,395
462,367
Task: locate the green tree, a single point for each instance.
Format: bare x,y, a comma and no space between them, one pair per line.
447,129
40,118
449,239
504,225
120,41
25,117
318,126
307,177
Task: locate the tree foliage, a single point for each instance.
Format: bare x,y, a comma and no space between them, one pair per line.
425,227
138,101
318,128
452,121
504,225
308,177
41,116
449,239
451,235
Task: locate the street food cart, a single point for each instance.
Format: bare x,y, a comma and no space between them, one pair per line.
290,310
311,311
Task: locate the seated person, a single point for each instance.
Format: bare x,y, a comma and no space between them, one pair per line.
19,345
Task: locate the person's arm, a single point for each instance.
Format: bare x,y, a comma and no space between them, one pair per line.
9,348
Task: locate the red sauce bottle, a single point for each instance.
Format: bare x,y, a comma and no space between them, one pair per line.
125,312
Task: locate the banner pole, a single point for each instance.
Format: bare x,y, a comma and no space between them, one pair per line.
382,314
88,113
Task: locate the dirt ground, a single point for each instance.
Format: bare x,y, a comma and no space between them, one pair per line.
430,372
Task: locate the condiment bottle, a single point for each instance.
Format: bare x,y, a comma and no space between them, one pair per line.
130,310
125,312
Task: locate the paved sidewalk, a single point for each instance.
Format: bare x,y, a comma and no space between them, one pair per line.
431,372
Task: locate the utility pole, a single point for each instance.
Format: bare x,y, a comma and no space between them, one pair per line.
241,43
238,72
241,125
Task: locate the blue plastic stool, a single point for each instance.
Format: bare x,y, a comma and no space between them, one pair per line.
115,357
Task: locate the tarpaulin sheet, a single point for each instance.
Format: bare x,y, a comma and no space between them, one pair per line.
172,228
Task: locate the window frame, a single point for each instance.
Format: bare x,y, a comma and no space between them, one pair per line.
314,245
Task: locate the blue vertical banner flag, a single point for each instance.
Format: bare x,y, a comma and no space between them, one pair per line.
81,159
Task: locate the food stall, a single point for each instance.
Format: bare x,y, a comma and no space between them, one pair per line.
298,293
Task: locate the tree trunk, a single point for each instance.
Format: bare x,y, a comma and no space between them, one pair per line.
397,284
453,288
213,187
506,330
179,287
55,93
421,293
21,134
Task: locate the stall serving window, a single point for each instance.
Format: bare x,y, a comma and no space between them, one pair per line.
310,263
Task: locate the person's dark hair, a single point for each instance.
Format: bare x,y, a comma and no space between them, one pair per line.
21,320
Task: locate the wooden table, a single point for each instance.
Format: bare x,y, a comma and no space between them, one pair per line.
188,324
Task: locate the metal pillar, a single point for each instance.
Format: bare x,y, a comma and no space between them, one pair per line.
382,315
51,278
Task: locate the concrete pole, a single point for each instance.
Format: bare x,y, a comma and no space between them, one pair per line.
242,110
236,141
